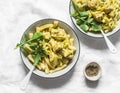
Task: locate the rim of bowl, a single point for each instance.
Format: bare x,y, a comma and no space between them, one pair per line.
79,47
111,33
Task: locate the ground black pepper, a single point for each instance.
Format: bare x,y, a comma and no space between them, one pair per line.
92,69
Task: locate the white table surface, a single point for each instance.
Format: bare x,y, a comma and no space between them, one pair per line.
16,16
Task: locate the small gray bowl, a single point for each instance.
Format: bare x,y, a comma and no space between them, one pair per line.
70,31
71,10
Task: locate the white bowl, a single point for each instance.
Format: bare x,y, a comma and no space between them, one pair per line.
93,78
70,31
71,10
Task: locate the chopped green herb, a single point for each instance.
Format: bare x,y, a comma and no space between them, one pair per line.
75,14
25,38
76,7
83,18
39,50
79,22
83,13
96,27
34,44
84,27
37,59
89,20
37,35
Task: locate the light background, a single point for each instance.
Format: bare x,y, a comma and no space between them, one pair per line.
16,16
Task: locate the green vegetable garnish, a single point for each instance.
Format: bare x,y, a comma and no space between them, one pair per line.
23,41
83,20
96,28
37,59
36,44
84,27
79,21
83,13
89,21
37,35
76,7
75,14
39,50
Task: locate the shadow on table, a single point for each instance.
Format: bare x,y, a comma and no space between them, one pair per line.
97,43
52,83
91,84
48,83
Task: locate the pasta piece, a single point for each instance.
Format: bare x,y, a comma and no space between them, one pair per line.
72,48
54,61
71,41
48,63
46,26
65,61
30,35
55,24
70,56
30,57
47,35
39,66
65,52
58,47
59,38
58,69
27,48
46,68
42,66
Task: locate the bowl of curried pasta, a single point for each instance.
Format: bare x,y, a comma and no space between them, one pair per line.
52,46
92,16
